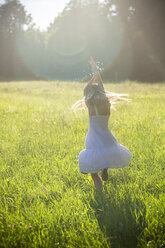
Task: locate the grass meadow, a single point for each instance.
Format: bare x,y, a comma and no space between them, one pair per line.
46,202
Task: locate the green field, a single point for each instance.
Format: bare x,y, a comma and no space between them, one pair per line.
46,202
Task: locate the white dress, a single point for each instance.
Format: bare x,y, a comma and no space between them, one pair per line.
102,151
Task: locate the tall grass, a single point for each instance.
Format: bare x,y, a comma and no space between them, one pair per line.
46,202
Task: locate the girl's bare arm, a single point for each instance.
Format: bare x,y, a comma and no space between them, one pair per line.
95,70
90,82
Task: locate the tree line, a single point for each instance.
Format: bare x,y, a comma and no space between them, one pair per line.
125,36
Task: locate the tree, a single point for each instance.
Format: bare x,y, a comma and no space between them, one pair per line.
13,18
126,35
144,34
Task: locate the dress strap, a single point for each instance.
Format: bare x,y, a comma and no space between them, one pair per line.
96,110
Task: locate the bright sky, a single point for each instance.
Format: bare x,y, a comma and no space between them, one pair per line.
44,11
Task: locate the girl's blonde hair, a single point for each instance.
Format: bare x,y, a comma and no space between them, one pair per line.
96,93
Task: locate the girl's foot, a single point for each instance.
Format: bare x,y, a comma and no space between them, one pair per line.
104,175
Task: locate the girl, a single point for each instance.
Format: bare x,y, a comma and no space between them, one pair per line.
102,151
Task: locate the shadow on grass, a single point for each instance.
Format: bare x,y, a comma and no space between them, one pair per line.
121,221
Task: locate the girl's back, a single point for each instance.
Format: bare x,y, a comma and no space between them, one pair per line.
96,100
99,108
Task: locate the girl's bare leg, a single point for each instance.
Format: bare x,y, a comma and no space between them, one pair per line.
97,181
104,175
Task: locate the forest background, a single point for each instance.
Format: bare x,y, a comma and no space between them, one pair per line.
127,37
